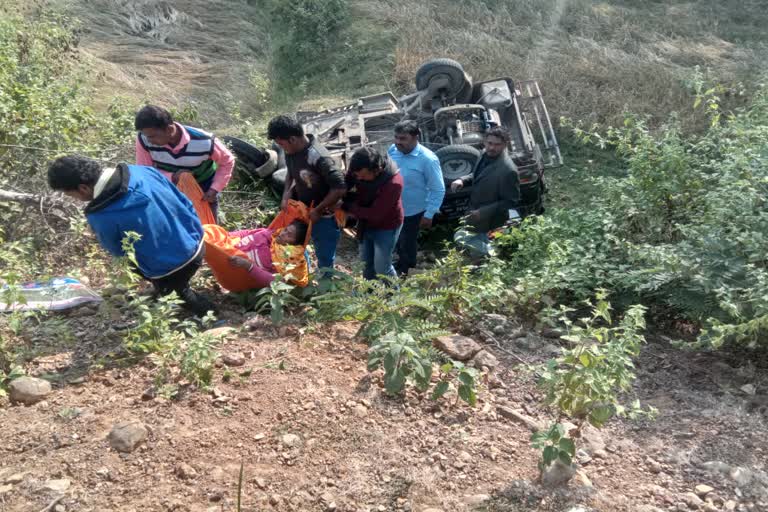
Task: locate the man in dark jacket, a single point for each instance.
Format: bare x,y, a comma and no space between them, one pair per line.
134,198
495,188
314,179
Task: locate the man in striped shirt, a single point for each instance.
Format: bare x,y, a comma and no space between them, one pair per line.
173,148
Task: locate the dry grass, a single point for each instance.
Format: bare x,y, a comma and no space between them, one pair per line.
595,59
173,52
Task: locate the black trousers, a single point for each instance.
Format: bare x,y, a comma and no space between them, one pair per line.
407,245
178,282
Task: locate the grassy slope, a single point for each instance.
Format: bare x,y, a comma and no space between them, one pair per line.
594,59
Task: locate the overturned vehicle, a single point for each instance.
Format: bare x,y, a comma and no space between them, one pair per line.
454,113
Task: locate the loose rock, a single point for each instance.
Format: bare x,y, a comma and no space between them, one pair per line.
741,476
475,500
233,359
14,479
28,390
702,490
220,332
185,471
458,347
57,485
691,500
485,359
557,474
127,435
291,440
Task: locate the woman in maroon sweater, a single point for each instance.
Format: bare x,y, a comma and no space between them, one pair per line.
375,186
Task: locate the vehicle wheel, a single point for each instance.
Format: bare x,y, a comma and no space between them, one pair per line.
251,161
277,181
457,161
449,69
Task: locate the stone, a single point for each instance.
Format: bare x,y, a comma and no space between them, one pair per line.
5,488
28,390
485,359
748,389
691,500
360,411
557,474
57,485
582,479
741,476
261,483
653,465
233,359
592,440
220,332
475,500
703,489
185,471
291,440
512,414
715,466
127,435
730,505
14,479
59,508
458,347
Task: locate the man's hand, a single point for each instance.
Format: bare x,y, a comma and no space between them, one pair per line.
457,185
314,215
210,195
425,223
284,203
239,261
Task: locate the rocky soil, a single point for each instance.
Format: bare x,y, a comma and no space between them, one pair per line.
314,431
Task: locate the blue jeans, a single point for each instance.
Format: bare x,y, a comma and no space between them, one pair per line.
325,237
376,249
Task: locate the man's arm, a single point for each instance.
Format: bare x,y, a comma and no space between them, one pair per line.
287,191
225,161
331,174
435,188
110,236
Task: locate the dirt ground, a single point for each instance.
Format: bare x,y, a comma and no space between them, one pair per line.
314,431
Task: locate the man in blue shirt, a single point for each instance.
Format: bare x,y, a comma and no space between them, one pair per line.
135,198
423,190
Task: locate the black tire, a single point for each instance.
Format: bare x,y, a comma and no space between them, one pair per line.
249,158
458,79
277,181
457,161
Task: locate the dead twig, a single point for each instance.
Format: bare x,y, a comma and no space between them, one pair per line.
53,504
490,337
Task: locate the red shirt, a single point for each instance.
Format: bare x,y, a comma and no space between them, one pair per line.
386,211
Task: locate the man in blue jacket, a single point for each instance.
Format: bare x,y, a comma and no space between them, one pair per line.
423,190
139,199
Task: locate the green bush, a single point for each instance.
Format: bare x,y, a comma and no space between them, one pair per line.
685,227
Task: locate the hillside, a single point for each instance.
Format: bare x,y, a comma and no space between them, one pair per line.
594,59
611,356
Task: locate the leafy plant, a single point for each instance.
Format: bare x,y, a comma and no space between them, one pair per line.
585,381
464,378
554,446
403,359
277,298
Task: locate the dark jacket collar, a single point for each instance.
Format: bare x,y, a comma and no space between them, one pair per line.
116,187
372,187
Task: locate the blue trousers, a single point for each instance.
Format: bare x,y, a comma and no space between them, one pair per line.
376,250
325,237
